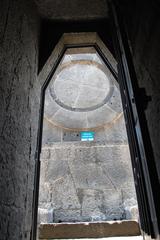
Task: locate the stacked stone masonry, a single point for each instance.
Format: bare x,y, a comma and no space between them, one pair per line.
87,182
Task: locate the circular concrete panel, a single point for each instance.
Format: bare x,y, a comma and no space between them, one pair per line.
81,86
82,93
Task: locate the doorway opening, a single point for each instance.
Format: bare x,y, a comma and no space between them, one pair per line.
86,173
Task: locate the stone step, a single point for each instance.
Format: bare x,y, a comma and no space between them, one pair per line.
109,238
88,230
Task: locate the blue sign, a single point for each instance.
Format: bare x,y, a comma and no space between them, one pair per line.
87,136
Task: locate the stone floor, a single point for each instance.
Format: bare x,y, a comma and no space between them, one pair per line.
109,238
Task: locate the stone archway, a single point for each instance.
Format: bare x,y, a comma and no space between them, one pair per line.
56,102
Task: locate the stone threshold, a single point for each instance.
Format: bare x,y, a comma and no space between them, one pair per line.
89,230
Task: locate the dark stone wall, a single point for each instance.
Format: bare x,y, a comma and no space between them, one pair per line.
72,10
143,25
18,116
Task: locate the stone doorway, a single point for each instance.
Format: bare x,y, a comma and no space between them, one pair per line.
87,181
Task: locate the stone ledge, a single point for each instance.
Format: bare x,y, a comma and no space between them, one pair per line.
88,230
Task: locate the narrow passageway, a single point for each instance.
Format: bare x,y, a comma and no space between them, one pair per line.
93,53
86,182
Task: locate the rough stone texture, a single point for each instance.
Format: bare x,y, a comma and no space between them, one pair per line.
78,39
85,181
45,215
89,230
62,121
144,35
111,133
72,10
19,116
82,93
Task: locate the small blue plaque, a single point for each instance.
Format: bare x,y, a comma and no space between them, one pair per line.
87,136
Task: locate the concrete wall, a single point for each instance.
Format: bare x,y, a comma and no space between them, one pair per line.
19,116
73,10
87,181
113,133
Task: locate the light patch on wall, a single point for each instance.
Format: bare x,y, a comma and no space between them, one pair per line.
87,136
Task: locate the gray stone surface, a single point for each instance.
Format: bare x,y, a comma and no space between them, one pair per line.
45,215
111,133
19,106
51,133
84,85
116,133
93,175
87,181
115,101
82,93
45,193
67,215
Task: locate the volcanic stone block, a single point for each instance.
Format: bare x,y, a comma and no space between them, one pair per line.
44,193
60,152
51,133
64,194
89,230
56,169
113,153
116,133
45,154
93,177
90,176
115,102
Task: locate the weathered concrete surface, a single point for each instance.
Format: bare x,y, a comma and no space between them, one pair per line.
72,10
76,179
89,230
82,93
19,107
112,133
75,39
87,182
